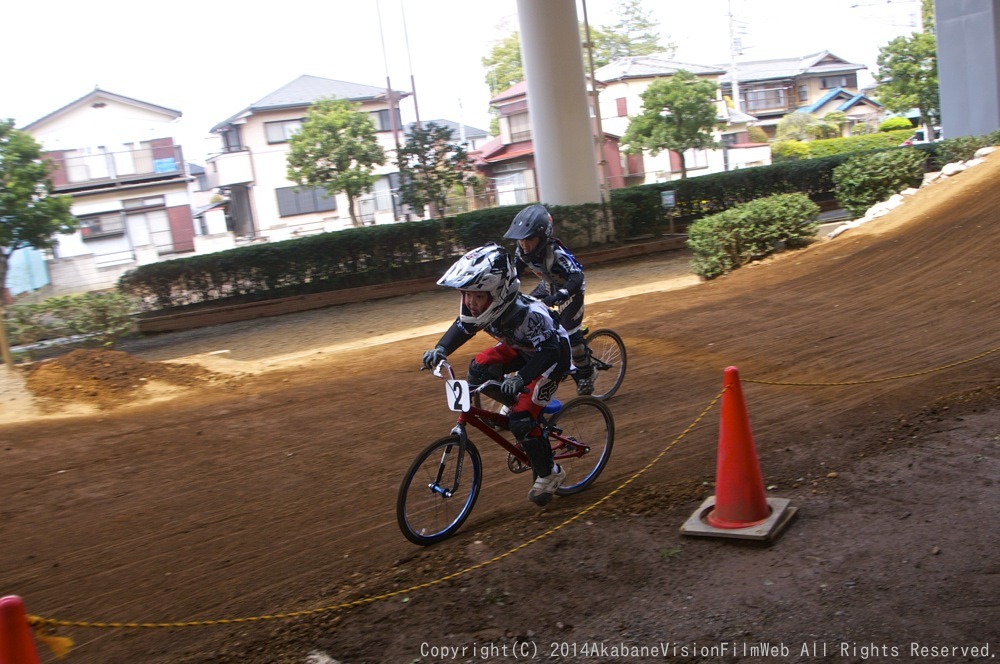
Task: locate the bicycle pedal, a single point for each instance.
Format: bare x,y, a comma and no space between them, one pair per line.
515,465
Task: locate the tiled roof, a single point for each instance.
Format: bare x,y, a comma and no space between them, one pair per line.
305,90
470,132
815,63
850,99
97,94
649,66
519,89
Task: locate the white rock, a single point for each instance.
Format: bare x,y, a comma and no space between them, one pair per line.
974,162
953,168
930,178
982,152
909,191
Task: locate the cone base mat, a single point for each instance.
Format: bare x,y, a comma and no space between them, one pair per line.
782,512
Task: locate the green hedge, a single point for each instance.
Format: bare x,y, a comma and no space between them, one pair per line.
342,259
379,254
730,239
867,179
638,210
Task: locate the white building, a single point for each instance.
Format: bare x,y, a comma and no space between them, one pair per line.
116,156
252,168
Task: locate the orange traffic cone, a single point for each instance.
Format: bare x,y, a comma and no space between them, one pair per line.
16,643
739,499
740,507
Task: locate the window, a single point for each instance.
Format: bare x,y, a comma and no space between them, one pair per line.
842,81
803,93
695,158
102,225
383,190
510,167
621,107
520,128
765,99
303,200
231,140
280,132
143,203
382,119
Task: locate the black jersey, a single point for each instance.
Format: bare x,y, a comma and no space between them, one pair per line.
555,266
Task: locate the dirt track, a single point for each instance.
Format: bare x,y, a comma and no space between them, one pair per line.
275,493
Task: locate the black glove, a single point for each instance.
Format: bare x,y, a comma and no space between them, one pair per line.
432,358
513,385
556,298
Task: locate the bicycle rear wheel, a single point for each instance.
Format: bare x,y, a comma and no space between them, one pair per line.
587,422
439,491
607,355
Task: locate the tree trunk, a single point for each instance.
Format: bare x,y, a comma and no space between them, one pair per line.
351,208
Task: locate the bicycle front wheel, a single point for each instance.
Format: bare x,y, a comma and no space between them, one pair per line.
588,425
607,355
439,491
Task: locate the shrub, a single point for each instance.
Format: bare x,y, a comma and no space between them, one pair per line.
962,148
864,180
786,150
895,123
757,135
97,318
725,241
854,144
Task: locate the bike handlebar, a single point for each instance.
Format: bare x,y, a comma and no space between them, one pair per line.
445,367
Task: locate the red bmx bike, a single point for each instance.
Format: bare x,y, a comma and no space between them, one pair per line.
442,484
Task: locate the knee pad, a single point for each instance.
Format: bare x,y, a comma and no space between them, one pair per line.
521,424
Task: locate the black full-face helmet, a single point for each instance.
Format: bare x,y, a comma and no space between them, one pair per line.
532,221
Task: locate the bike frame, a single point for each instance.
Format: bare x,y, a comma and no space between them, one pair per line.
488,422
481,419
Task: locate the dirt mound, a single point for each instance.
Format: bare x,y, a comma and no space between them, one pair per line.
106,378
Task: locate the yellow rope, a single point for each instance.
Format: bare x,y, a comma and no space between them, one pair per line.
39,621
877,380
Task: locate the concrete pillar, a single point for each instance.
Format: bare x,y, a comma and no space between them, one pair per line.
557,102
968,49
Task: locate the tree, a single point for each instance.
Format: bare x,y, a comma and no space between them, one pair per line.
30,214
678,114
798,126
430,165
908,76
336,149
503,65
635,33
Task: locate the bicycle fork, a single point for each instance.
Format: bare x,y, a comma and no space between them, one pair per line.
436,486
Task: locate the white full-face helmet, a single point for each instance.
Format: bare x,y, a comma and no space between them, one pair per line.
487,269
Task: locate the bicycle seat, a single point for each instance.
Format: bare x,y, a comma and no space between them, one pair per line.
553,406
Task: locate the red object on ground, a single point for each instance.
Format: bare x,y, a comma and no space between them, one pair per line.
739,488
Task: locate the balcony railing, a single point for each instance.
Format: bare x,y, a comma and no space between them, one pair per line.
85,168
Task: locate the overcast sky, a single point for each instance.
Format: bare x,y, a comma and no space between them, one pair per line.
210,59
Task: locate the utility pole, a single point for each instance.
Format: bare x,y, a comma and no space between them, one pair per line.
733,71
390,95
